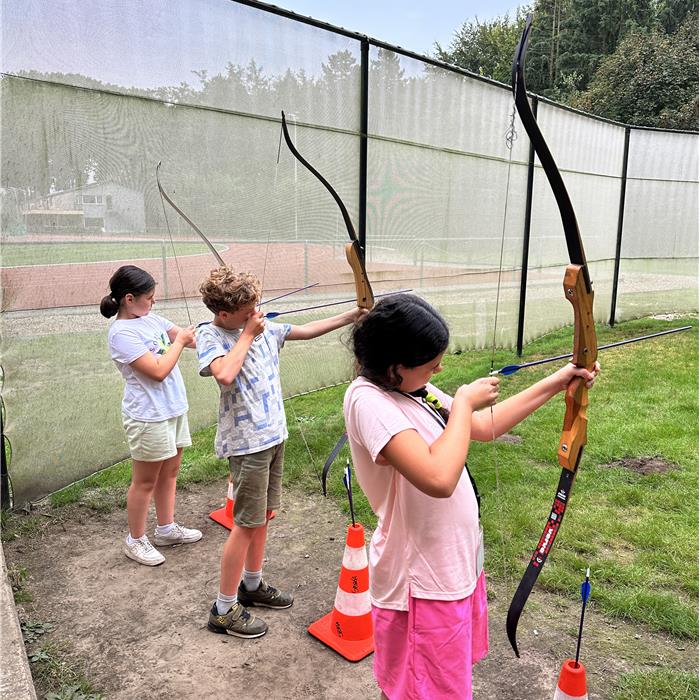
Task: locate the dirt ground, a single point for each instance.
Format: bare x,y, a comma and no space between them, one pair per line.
141,632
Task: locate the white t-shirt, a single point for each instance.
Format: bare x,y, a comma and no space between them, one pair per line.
251,410
146,399
423,546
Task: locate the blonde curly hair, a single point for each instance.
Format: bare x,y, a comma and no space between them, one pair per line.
226,290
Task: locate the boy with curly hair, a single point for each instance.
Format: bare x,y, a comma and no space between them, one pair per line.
240,349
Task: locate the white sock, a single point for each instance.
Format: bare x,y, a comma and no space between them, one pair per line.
164,529
251,579
131,540
225,602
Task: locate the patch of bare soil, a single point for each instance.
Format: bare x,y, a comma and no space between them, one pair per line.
643,465
141,632
510,439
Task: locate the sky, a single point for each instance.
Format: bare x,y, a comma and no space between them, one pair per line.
412,24
153,43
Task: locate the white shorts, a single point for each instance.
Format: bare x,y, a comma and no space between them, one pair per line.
154,442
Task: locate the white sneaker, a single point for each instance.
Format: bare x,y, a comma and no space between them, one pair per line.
178,535
142,551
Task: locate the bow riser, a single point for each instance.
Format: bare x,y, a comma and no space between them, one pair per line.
574,432
363,290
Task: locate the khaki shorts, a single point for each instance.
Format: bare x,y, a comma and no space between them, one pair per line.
154,442
256,480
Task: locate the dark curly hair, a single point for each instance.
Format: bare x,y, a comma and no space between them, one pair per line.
401,329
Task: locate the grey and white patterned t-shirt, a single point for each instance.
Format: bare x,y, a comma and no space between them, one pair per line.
251,410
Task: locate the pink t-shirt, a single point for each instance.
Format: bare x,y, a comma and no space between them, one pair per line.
423,546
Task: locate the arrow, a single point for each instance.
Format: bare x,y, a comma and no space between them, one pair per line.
512,369
287,294
585,594
275,314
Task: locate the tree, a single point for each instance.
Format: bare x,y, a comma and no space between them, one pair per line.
670,14
592,30
485,48
650,80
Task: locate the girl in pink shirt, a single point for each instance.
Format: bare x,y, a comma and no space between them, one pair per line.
409,444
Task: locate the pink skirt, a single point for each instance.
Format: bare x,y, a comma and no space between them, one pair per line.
427,653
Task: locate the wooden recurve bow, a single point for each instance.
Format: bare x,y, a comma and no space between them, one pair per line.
355,256
579,292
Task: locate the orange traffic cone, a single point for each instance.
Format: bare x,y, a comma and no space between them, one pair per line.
572,682
347,629
224,516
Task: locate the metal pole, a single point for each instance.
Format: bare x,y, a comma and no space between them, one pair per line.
364,121
620,221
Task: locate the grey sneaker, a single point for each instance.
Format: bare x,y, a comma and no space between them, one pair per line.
265,596
237,622
142,551
178,535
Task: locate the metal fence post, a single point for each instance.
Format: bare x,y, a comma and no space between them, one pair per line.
364,121
620,221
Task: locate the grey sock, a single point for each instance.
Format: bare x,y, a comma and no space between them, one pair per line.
225,602
251,579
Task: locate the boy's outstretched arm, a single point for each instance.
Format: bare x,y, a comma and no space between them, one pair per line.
313,329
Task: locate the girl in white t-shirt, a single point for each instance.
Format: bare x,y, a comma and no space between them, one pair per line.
145,348
409,444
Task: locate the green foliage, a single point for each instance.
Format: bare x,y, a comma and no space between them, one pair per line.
650,80
17,576
591,30
73,692
31,631
670,14
106,490
14,254
17,525
485,48
660,684
59,676
633,61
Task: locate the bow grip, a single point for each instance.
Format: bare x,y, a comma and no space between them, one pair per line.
363,290
574,433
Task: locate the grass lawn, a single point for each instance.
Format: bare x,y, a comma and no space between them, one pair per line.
633,515
21,254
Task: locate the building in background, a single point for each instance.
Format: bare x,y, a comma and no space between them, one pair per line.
100,207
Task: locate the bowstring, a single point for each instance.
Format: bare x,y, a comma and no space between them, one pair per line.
510,137
177,261
216,386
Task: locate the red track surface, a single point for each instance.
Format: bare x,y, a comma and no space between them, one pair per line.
80,284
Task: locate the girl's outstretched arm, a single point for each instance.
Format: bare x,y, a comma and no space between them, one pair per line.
514,409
